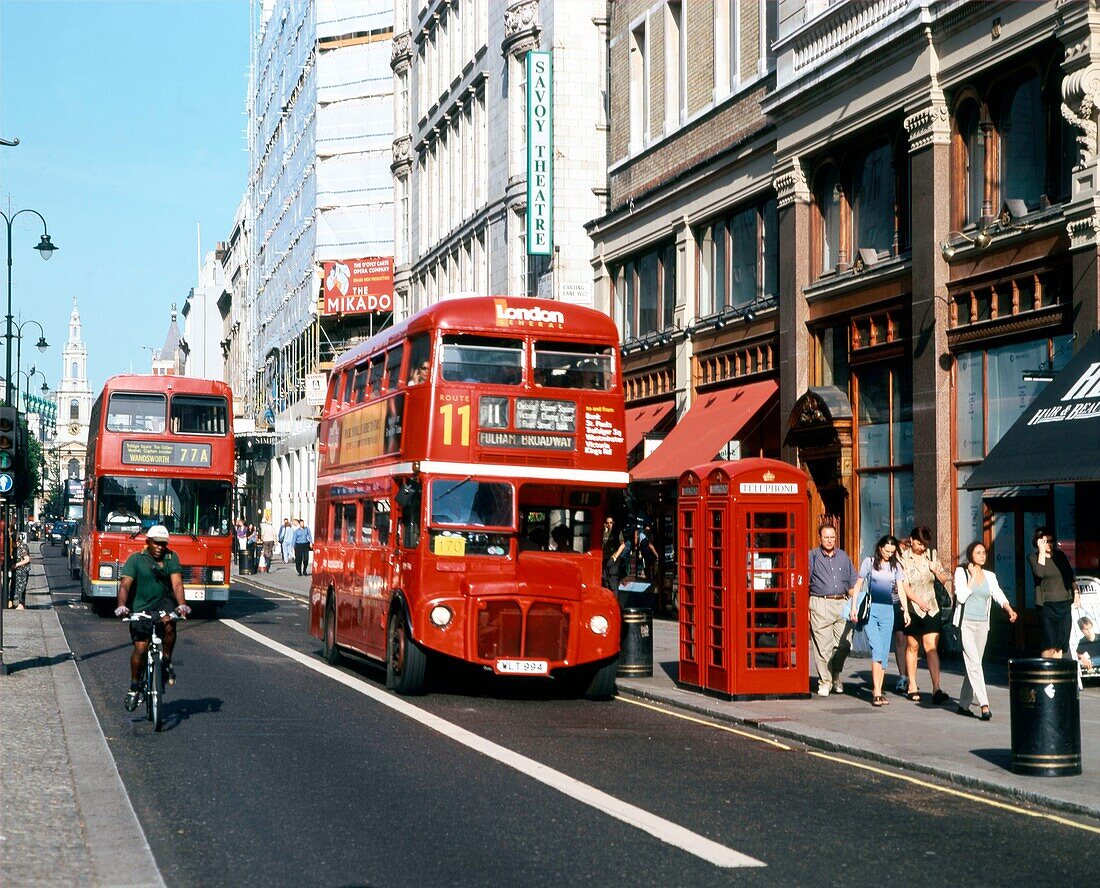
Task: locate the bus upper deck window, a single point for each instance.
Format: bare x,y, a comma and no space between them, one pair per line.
393,366
572,366
349,378
377,368
420,354
359,389
482,359
131,412
198,415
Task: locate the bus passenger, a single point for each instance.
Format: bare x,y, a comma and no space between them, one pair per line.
419,374
563,538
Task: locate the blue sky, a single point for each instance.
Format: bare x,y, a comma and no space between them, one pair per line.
131,123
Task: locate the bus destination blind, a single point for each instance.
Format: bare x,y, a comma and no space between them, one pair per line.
163,453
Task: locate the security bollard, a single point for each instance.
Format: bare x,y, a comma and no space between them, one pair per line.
1045,716
636,643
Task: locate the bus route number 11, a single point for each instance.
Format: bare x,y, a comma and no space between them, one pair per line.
463,416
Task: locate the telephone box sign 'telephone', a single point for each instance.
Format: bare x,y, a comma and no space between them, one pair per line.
744,599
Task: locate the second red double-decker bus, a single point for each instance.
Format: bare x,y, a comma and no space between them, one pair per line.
160,451
468,456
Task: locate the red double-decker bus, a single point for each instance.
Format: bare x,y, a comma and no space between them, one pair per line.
160,451
468,455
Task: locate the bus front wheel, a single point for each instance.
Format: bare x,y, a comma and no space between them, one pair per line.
331,652
406,663
601,685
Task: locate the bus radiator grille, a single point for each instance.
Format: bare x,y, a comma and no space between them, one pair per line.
500,631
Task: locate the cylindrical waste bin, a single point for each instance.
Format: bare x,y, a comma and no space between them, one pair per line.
1045,716
636,643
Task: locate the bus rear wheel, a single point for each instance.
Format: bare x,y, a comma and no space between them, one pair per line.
331,652
406,662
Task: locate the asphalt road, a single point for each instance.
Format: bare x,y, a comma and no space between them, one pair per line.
271,772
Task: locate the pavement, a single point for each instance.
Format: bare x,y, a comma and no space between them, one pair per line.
65,818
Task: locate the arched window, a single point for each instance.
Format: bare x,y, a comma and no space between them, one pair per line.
74,469
74,372
828,205
873,202
1023,145
74,409
971,145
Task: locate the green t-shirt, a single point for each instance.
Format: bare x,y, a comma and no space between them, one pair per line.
147,590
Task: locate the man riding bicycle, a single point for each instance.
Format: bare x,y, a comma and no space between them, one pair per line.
152,580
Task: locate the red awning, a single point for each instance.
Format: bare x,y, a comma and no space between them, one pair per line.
713,420
640,421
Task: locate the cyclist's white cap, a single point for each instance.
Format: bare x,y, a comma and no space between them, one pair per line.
157,532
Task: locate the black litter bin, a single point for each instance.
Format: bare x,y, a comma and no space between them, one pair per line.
636,643
1045,716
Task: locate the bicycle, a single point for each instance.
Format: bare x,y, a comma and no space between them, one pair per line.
152,684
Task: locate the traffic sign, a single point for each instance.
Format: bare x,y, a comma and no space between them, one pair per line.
6,483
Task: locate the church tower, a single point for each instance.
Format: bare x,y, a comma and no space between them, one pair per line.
74,402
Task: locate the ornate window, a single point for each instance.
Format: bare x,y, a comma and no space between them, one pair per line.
74,409
645,291
862,203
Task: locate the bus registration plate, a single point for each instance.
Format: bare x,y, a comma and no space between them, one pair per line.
197,595
522,667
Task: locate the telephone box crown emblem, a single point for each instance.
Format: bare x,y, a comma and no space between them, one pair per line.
769,476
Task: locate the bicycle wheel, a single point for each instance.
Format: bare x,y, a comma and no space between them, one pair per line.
146,688
157,692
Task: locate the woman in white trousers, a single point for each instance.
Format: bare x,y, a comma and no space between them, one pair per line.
975,589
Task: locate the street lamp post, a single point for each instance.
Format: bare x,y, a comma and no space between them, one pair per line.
45,248
41,345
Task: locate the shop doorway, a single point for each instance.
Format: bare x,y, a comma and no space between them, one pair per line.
1010,525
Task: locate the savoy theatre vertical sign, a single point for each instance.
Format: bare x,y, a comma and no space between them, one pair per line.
358,286
540,153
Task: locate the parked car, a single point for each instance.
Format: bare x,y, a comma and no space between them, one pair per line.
76,551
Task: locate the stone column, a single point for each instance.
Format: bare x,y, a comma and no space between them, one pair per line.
793,202
1079,32
929,129
686,263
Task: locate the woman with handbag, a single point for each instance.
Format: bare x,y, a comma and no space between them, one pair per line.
923,570
881,575
1055,592
975,589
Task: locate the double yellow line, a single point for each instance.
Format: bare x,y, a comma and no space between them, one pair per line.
882,772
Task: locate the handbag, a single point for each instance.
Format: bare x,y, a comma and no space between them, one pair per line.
863,611
943,597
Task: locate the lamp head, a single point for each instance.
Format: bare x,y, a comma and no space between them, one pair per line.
982,240
947,251
42,344
750,315
46,247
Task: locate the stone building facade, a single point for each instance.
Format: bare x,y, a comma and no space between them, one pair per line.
870,225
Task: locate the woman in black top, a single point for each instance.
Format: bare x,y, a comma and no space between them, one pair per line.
1055,592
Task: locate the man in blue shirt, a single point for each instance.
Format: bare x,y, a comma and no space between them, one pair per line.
303,541
833,579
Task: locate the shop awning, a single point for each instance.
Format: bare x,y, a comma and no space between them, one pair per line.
713,420
640,421
1055,440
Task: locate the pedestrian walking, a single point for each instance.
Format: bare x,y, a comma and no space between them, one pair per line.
252,542
615,552
267,541
303,542
975,588
832,582
1056,592
883,578
240,545
286,541
922,569
21,571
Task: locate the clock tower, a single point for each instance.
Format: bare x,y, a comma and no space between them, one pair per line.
74,402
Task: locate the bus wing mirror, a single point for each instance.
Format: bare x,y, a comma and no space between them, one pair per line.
409,491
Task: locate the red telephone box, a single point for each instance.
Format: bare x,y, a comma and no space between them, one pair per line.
744,602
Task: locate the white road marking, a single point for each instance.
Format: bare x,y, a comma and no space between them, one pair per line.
664,830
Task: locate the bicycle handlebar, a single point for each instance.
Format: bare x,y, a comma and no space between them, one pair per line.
143,615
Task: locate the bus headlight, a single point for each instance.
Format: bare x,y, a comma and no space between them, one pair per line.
217,575
598,624
441,616
106,571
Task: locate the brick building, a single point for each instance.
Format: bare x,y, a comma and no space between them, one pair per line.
852,234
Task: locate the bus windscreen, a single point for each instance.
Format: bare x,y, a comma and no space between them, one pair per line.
132,412
561,365
183,505
482,359
199,415
472,503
